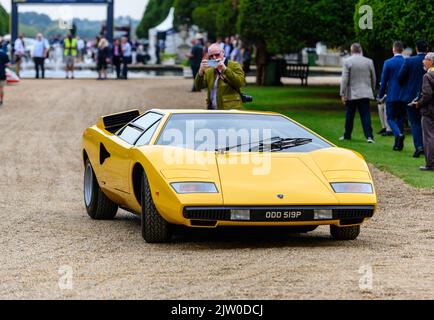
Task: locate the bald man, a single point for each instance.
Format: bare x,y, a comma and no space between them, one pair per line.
222,78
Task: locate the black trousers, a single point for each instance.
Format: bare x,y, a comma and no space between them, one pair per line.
117,61
125,62
365,115
39,64
428,140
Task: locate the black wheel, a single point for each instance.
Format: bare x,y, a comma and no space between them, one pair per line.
302,229
154,228
345,233
98,206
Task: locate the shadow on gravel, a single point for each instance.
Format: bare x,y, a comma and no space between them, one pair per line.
244,237
250,237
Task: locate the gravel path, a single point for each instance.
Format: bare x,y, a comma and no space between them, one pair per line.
45,232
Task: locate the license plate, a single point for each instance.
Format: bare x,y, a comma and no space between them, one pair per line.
281,215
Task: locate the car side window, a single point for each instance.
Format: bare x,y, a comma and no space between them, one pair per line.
147,136
147,120
130,134
134,130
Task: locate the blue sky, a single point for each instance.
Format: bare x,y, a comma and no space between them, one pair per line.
133,8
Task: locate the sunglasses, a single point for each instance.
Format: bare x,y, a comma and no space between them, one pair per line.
214,56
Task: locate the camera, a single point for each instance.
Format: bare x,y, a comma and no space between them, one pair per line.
246,98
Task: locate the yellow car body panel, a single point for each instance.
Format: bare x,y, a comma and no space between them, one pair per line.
302,178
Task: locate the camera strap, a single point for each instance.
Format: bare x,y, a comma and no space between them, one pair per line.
227,82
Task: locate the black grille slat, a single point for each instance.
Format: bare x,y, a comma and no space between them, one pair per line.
224,214
207,214
119,119
352,213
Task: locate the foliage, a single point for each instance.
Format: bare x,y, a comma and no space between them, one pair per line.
155,13
405,20
184,10
281,24
4,21
205,18
32,23
333,22
226,20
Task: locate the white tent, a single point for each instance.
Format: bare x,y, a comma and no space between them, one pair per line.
165,26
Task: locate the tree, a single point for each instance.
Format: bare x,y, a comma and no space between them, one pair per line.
156,11
281,24
204,19
184,11
227,14
414,23
331,22
4,21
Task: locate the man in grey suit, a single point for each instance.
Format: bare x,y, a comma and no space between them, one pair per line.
357,88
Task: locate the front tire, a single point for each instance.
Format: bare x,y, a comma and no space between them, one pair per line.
154,228
344,233
98,206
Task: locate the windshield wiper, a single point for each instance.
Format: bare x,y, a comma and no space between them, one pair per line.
289,143
275,143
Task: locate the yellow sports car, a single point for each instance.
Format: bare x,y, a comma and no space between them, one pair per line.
207,169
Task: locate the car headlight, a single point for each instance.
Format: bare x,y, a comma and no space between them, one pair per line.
352,187
194,187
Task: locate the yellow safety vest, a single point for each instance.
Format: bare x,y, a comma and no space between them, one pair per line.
70,45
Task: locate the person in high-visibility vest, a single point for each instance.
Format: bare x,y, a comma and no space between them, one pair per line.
70,53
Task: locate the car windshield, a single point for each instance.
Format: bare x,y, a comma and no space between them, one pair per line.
228,132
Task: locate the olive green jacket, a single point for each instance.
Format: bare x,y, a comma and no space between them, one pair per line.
227,98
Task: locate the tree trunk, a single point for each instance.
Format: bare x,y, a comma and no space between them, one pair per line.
261,61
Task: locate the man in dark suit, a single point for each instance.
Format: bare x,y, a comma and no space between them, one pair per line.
395,107
410,78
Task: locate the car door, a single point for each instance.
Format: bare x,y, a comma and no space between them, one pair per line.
118,151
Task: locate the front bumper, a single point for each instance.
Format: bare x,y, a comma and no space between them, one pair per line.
286,215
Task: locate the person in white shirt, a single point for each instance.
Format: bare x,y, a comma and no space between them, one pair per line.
20,51
40,54
80,48
127,56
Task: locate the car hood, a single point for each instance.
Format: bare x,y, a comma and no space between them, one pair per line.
264,178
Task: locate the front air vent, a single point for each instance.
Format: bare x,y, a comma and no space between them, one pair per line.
352,213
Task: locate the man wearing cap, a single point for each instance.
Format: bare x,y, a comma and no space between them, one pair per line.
222,78
426,106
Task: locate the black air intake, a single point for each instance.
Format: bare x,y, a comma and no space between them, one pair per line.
114,122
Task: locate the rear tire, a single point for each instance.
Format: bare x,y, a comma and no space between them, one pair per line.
154,228
345,233
98,205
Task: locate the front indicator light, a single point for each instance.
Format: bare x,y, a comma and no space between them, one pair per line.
194,187
243,215
352,187
323,214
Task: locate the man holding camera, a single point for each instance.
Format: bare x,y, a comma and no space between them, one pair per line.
222,78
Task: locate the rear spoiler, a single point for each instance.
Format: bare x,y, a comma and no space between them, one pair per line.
116,121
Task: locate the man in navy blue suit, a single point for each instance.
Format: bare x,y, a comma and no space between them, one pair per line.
395,107
410,78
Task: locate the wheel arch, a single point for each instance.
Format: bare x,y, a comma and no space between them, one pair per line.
137,174
85,156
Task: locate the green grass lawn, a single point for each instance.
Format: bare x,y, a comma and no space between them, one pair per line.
320,109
